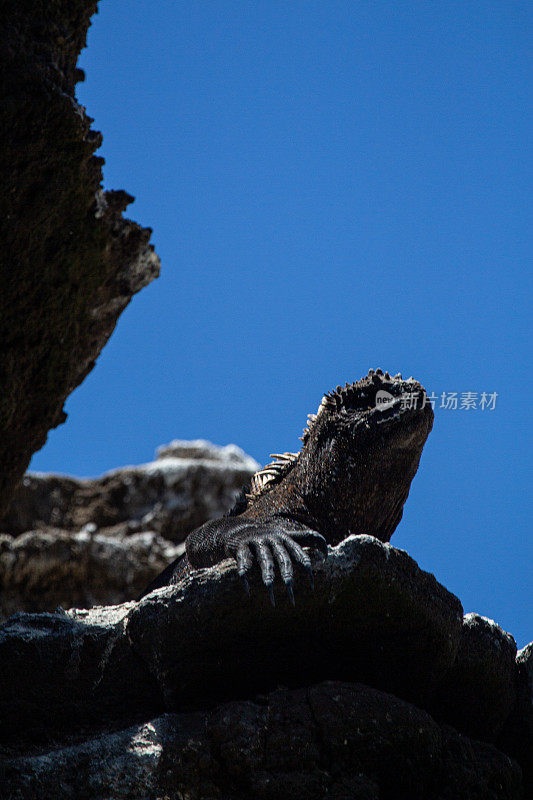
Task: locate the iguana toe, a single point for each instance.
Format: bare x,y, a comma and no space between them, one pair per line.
311,539
266,561
283,559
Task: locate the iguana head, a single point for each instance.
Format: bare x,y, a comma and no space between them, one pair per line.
360,453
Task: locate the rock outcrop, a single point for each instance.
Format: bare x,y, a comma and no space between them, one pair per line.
42,570
373,616
71,542
71,261
517,734
480,689
198,691
342,741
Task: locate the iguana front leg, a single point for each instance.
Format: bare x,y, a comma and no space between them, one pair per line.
275,541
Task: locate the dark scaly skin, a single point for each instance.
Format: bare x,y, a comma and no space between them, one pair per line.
352,476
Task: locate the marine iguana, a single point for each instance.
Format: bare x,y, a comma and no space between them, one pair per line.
352,475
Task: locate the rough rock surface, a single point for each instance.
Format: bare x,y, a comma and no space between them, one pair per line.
335,740
199,692
70,669
480,690
73,542
188,483
42,570
72,262
374,616
517,735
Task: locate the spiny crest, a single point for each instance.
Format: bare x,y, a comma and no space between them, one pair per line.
264,479
343,395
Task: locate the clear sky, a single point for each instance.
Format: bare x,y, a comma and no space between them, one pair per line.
333,186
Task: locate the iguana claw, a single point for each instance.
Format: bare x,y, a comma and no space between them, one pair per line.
270,545
271,594
288,585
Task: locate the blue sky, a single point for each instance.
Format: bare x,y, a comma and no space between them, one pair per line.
333,186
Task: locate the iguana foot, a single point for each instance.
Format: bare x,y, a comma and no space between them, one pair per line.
271,544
